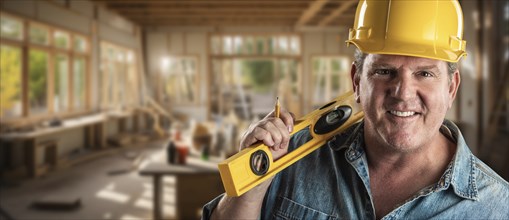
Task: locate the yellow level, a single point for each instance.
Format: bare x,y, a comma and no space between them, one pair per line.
253,165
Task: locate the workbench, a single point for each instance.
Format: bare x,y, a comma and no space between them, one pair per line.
94,136
197,183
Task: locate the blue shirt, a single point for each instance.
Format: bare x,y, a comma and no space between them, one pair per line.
333,183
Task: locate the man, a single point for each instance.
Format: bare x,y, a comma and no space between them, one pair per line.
403,160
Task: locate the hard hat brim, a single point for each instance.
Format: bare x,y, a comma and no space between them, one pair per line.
410,49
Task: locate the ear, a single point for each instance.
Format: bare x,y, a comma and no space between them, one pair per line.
355,82
453,86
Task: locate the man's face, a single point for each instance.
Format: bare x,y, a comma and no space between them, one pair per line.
404,99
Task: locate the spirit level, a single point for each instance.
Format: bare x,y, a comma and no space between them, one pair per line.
253,165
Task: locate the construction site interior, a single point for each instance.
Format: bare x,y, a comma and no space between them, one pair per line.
100,98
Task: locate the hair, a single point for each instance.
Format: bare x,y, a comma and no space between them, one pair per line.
361,56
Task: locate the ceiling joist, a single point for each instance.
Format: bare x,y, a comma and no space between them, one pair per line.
343,8
296,13
314,8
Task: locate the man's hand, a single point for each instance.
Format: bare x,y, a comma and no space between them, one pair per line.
273,132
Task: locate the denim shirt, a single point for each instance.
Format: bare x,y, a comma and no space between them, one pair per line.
333,183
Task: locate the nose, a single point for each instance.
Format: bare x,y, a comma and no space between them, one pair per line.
402,86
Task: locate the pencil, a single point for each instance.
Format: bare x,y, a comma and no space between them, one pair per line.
276,109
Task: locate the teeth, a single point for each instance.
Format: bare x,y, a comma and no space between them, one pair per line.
402,114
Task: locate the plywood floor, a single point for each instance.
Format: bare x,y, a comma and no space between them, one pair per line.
106,191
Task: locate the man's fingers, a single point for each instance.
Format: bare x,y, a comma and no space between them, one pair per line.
271,131
256,135
288,119
268,135
275,132
283,131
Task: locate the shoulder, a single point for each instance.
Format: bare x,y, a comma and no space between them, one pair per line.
491,193
487,179
472,176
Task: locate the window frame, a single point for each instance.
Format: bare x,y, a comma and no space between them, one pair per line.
195,87
25,45
114,103
328,94
270,50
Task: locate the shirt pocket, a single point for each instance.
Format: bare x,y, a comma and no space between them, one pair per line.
289,209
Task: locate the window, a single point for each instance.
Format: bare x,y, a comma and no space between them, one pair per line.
132,80
11,28
80,44
249,71
253,44
331,78
38,81
10,83
61,39
56,61
39,34
79,79
119,77
179,78
61,85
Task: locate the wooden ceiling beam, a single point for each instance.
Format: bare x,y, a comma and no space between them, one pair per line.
206,10
214,20
314,8
206,2
291,13
212,23
201,8
265,24
340,10
229,16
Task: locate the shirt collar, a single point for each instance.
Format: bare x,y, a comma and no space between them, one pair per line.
463,169
460,173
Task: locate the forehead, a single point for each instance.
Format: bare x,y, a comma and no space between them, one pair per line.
397,61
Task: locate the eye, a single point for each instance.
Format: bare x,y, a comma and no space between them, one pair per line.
383,72
426,74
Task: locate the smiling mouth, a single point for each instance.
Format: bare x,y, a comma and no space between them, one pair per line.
402,114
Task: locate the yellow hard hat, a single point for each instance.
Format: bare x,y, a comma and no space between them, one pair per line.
425,28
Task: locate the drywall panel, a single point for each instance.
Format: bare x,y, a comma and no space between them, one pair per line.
196,44
312,43
116,36
332,43
59,16
156,49
85,8
176,44
115,21
26,7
